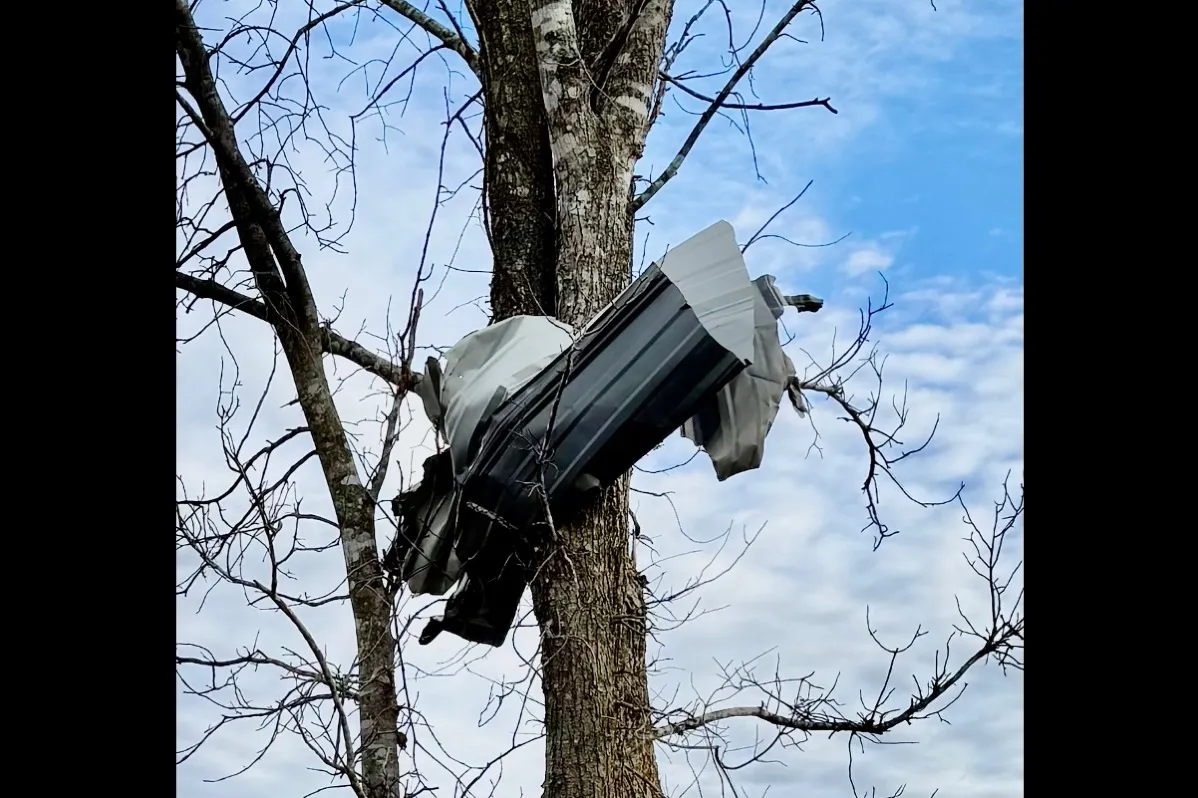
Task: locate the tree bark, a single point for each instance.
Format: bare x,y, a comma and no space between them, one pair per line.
518,166
587,595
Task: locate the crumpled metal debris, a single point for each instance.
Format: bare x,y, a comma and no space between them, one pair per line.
731,426
536,416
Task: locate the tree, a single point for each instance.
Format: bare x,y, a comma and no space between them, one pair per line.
567,92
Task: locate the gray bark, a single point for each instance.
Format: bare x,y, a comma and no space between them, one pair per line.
587,596
518,173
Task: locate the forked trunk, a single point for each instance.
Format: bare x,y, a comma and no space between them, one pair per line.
588,597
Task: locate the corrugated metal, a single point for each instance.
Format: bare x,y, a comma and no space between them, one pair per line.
534,419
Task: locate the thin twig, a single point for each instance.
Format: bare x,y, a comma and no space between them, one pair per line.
716,103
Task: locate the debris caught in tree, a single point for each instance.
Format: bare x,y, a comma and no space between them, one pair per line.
537,416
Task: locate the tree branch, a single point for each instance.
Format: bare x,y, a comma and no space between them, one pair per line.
1000,638
826,102
873,723
331,342
292,48
257,658
438,31
602,67
276,264
717,103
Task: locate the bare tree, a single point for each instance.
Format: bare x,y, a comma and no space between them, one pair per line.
255,203
557,97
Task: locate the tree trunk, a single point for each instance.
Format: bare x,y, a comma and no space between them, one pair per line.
597,61
591,609
518,171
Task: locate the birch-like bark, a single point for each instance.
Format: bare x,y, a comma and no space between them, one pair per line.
559,181
290,308
587,595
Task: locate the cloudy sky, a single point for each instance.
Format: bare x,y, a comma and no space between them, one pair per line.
921,168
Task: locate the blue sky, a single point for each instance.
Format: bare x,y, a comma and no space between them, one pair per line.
923,165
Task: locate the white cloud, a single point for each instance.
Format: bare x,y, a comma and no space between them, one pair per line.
801,590
867,258
898,235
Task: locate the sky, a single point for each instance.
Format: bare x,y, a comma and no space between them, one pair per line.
921,169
